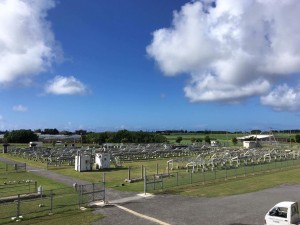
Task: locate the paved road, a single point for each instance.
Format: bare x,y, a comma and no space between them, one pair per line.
231,210
245,209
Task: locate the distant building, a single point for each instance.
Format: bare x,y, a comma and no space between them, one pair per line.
258,137
214,144
250,144
262,138
59,137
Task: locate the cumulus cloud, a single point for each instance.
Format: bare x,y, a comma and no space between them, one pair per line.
27,43
283,98
20,108
232,50
62,85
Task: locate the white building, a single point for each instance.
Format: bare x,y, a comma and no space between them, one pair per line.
250,144
214,144
102,160
83,163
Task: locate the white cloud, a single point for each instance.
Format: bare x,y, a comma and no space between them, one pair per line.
230,54
20,108
27,43
282,98
61,85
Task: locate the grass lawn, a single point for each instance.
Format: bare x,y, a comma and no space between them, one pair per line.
65,202
115,178
67,218
241,185
223,138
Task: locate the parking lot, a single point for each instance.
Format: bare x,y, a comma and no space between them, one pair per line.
173,209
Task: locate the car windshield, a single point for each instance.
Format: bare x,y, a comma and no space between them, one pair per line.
279,212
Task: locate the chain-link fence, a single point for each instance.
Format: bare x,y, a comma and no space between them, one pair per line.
9,166
10,188
44,202
157,182
90,193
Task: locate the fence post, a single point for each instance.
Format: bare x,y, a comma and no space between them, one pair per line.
154,181
156,168
80,196
244,170
162,182
18,207
128,172
93,191
203,177
142,171
51,201
35,186
103,181
176,178
252,168
145,181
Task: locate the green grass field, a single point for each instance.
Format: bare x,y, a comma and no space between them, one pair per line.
65,201
224,138
67,218
115,177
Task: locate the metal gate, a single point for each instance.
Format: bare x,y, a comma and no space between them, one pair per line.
90,193
153,182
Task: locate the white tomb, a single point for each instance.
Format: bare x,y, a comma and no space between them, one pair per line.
102,160
83,163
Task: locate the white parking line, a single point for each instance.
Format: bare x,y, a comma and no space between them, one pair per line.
142,215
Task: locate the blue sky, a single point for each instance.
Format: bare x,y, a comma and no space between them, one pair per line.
149,65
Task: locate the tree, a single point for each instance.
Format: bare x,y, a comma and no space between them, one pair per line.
234,140
50,131
81,132
65,132
178,139
21,136
297,138
255,131
198,140
207,139
38,131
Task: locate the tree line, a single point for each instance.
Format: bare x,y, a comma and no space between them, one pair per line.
122,136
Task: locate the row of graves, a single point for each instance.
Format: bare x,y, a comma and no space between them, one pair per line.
193,156
221,158
88,158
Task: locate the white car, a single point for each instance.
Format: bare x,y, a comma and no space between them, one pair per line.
283,213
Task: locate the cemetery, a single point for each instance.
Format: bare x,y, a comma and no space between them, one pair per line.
191,157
